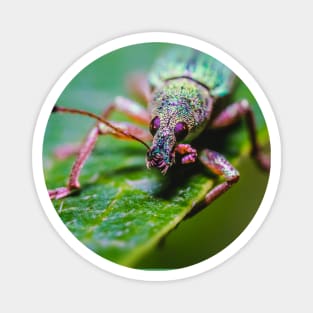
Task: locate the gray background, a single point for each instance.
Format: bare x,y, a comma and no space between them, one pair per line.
39,272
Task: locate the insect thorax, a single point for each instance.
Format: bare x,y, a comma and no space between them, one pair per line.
182,100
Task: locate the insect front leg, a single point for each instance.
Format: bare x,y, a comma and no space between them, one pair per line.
219,165
83,155
131,109
86,149
232,114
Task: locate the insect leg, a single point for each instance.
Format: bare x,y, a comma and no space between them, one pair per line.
189,154
84,152
219,165
232,114
86,149
130,108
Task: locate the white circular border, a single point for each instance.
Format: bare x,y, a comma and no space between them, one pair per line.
174,274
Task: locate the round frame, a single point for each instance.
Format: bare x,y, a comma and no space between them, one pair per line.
174,274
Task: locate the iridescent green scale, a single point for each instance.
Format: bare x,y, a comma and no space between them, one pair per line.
187,62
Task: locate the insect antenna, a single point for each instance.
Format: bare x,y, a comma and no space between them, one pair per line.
100,119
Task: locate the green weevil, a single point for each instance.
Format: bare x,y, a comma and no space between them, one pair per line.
182,93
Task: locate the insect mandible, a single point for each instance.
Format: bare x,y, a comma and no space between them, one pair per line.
181,93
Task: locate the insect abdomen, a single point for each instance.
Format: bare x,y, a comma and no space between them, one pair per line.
187,62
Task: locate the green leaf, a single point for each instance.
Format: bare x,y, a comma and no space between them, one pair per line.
123,210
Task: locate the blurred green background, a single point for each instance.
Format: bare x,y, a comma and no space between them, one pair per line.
123,209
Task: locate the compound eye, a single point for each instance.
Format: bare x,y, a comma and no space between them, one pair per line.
181,131
154,125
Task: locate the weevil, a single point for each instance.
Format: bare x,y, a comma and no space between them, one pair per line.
181,93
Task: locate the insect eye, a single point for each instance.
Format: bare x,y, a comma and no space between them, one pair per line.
154,125
181,130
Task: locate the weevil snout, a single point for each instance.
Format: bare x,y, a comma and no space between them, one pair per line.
158,159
